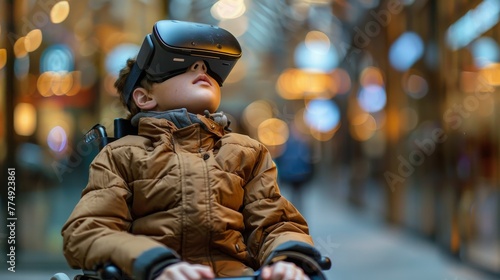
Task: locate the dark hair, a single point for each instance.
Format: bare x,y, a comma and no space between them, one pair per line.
120,84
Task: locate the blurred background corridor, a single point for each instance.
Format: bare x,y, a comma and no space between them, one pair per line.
381,116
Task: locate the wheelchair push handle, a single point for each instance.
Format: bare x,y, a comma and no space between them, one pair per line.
325,263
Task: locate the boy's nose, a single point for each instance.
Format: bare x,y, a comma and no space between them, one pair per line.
199,65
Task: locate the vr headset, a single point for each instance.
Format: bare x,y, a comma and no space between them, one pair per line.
174,46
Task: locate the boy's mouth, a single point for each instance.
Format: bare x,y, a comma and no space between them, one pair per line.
203,79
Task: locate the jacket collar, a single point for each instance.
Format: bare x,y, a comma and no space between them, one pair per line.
159,129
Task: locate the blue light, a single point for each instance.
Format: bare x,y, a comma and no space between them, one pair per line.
322,115
372,98
316,56
57,58
485,51
406,50
117,58
474,23
22,66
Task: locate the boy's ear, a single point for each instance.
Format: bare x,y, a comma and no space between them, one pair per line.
143,99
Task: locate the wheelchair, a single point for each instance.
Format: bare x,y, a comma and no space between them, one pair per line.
313,267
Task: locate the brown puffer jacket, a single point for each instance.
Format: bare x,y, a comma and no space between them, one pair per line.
208,195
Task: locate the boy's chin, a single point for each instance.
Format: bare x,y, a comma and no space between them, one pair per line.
200,109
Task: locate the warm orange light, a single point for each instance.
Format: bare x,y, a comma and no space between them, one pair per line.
257,112
53,83
371,76
363,127
393,127
273,132
75,83
33,40
59,12
314,84
24,119
3,58
491,74
287,85
313,38
19,48
297,84
44,84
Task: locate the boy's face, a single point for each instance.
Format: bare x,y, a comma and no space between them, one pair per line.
194,90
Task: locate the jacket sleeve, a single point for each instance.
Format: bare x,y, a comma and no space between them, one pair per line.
97,231
270,219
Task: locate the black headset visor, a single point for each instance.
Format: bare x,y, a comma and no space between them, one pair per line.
173,46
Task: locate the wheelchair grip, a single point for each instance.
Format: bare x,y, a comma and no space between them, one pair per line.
110,272
325,263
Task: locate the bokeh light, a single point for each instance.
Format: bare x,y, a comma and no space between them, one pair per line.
59,12
50,116
117,57
474,23
58,83
371,76
317,41
316,53
228,9
237,26
287,85
485,51
362,127
340,81
415,85
57,58
406,50
57,139
491,74
297,84
273,132
3,58
372,98
322,115
19,48
257,112
25,119
33,40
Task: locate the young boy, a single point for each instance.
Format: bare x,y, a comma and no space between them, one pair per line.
183,199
